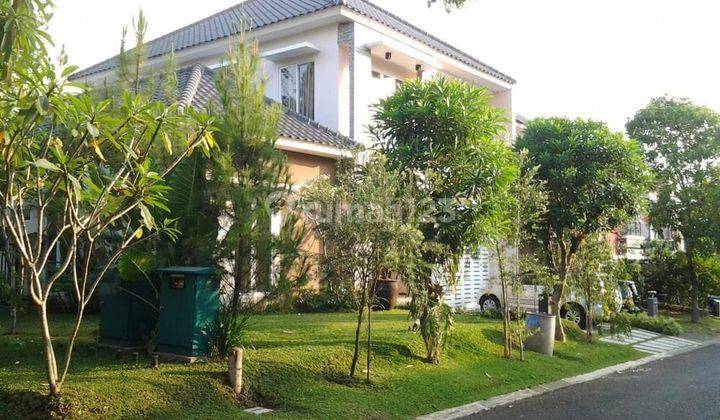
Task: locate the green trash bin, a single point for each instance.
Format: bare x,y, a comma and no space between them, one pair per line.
189,305
128,313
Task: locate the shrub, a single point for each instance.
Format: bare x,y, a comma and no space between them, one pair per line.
572,330
308,300
620,324
491,314
228,331
667,273
660,324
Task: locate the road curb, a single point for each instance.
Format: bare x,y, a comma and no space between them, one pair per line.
501,400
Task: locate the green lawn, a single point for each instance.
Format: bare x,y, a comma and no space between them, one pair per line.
296,364
709,326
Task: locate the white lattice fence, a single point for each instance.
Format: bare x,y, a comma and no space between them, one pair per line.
472,280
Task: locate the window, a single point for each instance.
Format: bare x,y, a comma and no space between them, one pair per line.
297,88
633,228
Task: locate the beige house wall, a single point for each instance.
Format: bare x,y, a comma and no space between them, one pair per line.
304,168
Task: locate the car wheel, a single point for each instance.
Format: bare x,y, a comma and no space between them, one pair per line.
489,303
575,314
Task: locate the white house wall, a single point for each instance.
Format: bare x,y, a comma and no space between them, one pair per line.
327,65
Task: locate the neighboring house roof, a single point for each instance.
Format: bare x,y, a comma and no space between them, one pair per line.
196,87
262,13
521,119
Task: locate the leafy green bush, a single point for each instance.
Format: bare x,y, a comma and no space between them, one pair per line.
228,331
315,301
660,324
572,330
620,324
491,314
666,272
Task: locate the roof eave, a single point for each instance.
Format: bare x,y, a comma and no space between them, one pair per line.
499,78
312,148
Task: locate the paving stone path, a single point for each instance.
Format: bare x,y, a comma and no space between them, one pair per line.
651,342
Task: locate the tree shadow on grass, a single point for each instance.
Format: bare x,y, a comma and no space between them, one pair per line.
25,404
565,355
388,349
260,344
494,336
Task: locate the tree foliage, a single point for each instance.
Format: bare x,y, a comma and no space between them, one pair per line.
249,173
443,135
524,210
85,170
449,4
369,222
667,272
682,143
592,275
596,180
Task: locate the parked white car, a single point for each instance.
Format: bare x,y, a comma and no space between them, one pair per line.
574,309
479,289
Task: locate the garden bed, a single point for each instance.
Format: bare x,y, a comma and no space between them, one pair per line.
297,365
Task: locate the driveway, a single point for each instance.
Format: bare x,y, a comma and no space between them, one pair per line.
685,386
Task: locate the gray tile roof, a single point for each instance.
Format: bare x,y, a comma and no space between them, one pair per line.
196,87
266,12
386,18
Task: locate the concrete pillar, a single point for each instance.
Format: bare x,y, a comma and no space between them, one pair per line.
503,100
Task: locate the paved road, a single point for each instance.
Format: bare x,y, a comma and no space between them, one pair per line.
686,386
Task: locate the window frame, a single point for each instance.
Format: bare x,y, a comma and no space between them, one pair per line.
295,69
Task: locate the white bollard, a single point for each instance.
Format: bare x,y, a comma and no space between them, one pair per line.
235,367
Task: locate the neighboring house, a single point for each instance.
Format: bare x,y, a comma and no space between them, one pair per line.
327,62
632,241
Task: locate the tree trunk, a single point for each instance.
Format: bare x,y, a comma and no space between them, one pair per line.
433,352
521,345
506,321
241,271
695,310
48,351
431,346
507,352
13,318
356,354
589,320
369,326
71,341
556,306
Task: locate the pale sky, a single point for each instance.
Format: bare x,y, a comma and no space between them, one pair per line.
600,59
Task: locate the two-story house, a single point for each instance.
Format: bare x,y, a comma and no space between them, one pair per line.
326,61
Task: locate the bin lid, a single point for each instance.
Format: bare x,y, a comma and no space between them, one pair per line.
188,270
540,315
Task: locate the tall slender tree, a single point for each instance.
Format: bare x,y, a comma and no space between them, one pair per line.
592,273
371,232
249,173
525,208
682,143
